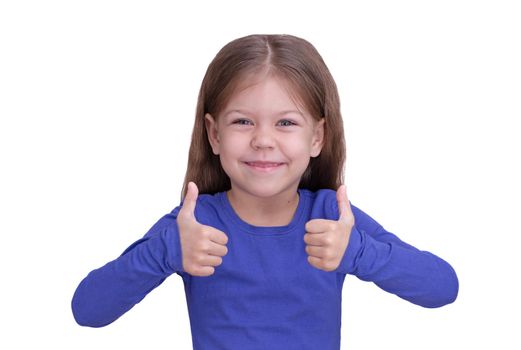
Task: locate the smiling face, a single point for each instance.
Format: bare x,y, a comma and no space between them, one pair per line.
264,139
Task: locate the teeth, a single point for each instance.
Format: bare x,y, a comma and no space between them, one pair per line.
264,165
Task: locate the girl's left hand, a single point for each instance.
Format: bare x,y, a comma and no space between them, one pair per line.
326,240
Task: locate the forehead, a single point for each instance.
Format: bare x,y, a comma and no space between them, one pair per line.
265,92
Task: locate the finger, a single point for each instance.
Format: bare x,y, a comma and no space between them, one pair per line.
219,237
317,252
319,225
211,260
344,207
316,262
190,201
217,249
315,239
203,271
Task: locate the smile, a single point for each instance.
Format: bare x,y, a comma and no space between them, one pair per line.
263,166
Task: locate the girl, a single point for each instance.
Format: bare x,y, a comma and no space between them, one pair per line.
265,234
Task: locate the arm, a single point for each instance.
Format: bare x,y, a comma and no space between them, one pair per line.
111,290
376,255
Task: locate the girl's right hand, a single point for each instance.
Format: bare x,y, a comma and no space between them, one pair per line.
202,246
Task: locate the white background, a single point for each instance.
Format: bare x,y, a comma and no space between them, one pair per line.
97,100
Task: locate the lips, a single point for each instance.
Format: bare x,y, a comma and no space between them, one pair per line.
264,164
264,167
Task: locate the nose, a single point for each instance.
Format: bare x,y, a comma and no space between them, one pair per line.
262,138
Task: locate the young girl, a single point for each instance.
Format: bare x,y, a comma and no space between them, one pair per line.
265,234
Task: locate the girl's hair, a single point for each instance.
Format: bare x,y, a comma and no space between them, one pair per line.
298,63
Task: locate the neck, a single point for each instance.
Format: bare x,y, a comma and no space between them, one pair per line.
277,210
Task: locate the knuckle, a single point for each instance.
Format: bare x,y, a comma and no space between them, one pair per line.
205,247
198,259
328,240
201,246
191,269
330,266
206,232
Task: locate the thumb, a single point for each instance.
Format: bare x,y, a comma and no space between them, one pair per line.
344,208
190,201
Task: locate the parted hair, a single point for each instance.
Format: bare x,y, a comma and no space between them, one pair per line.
298,63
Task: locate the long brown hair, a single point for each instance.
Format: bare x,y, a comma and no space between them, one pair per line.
299,63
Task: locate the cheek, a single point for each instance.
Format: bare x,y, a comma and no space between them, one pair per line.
297,145
232,146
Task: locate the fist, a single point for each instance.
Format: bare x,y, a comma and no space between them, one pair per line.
202,246
326,240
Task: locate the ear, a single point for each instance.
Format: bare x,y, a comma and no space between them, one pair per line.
318,138
212,132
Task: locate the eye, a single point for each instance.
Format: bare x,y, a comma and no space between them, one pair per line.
287,122
239,121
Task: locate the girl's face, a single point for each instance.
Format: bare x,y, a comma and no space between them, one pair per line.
263,140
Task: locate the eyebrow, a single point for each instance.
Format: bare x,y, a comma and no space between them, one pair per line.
280,113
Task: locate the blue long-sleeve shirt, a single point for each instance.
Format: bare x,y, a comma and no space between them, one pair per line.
265,294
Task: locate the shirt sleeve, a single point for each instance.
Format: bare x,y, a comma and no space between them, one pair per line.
376,255
108,292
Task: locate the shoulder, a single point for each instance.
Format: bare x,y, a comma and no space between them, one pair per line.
325,205
207,207
321,202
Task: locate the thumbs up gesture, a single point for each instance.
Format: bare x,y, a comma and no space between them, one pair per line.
326,240
202,246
